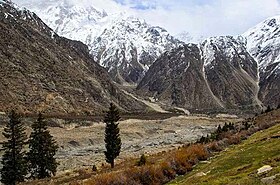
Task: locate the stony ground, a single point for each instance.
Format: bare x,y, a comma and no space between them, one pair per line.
83,146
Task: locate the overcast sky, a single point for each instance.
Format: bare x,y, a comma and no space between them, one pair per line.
204,17
199,17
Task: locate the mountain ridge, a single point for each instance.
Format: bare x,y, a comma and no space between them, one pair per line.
219,74
262,42
125,45
41,71
246,67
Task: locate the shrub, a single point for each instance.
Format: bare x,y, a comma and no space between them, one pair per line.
234,139
152,175
167,170
109,178
214,147
142,161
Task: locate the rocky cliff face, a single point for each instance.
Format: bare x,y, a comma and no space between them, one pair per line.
177,78
41,71
263,43
218,74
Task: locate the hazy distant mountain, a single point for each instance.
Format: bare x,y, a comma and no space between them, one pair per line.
186,37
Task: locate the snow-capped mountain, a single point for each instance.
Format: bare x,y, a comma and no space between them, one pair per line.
71,21
229,49
219,74
263,43
231,72
123,44
128,46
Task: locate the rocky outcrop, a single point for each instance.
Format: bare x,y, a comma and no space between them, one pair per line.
41,71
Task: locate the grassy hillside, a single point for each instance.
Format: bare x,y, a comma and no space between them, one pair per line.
239,163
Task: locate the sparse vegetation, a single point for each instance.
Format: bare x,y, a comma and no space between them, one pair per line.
239,164
181,161
164,167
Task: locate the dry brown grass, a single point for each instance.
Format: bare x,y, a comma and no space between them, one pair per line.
177,162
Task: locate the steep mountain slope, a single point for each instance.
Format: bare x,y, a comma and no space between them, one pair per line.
177,78
124,45
263,43
68,20
128,47
41,71
231,72
219,74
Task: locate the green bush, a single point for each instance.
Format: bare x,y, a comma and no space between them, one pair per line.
142,161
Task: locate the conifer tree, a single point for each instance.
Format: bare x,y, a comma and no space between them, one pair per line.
14,164
42,148
112,136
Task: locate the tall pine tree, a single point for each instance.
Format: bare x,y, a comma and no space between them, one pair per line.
14,164
112,136
42,148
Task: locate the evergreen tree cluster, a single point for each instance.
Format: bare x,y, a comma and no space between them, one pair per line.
38,162
216,135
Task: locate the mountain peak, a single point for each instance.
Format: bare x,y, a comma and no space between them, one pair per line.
262,41
124,44
228,46
128,46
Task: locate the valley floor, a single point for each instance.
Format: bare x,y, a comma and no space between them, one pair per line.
83,146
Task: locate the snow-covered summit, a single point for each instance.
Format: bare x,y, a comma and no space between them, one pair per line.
263,41
226,46
71,21
128,46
